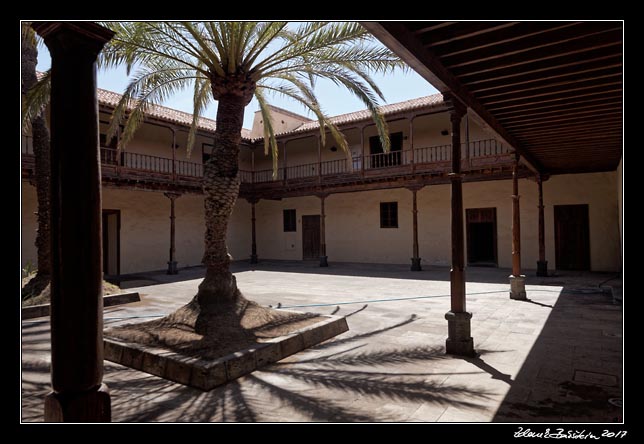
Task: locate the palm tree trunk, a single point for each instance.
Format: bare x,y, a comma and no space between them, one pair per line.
221,188
40,135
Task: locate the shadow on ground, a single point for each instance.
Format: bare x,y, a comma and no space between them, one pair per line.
303,386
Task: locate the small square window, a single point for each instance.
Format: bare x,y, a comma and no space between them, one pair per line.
388,214
289,221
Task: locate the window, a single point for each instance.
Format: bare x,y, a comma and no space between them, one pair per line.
388,214
381,160
289,221
206,152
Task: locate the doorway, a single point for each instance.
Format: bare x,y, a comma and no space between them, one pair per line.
111,242
572,237
378,157
481,237
310,237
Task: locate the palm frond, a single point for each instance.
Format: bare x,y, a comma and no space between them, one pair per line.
36,99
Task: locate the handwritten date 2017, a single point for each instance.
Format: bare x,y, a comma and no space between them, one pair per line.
567,434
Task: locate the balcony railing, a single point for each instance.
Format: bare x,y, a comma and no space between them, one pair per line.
431,158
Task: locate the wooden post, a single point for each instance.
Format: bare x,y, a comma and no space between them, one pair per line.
323,257
252,164
285,162
415,261
542,264
411,146
517,280
77,272
459,341
362,163
174,157
172,262
319,160
253,245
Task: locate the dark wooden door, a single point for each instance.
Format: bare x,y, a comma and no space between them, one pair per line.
572,237
112,242
481,237
310,237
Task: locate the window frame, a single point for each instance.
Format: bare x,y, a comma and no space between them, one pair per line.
289,223
389,218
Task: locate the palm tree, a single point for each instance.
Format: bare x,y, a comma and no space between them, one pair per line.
232,62
34,121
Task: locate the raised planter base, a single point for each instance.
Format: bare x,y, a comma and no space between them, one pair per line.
38,311
207,374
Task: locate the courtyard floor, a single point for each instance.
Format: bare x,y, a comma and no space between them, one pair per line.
554,358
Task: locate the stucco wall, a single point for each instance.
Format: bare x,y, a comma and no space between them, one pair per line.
354,234
353,224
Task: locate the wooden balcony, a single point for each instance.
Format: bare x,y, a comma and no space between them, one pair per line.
420,166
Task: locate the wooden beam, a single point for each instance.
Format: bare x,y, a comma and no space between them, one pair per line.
561,98
551,87
501,36
565,41
578,49
536,79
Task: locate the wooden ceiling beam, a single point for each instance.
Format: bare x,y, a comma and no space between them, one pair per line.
555,91
597,58
565,41
464,30
564,120
580,108
539,78
559,129
501,36
546,59
556,99
598,78
614,97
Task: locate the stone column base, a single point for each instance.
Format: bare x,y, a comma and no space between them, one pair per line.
253,259
459,342
542,268
323,261
90,406
172,267
415,264
517,288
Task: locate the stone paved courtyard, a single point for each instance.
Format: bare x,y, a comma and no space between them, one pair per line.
554,358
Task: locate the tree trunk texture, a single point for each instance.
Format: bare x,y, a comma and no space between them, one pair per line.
40,134
221,188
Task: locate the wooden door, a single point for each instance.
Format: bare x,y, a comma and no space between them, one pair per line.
310,237
112,242
481,237
572,237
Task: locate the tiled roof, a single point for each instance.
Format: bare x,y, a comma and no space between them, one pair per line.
110,98
393,108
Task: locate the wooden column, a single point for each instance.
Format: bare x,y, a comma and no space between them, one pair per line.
285,162
323,256
415,260
253,244
459,341
411,144
319,159
542,264
174,155
172,262
362,163
517,280
77,272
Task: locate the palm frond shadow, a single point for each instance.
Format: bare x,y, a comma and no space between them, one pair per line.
322,388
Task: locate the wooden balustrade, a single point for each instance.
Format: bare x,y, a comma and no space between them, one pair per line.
420,159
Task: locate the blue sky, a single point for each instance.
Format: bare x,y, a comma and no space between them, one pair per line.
396,87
